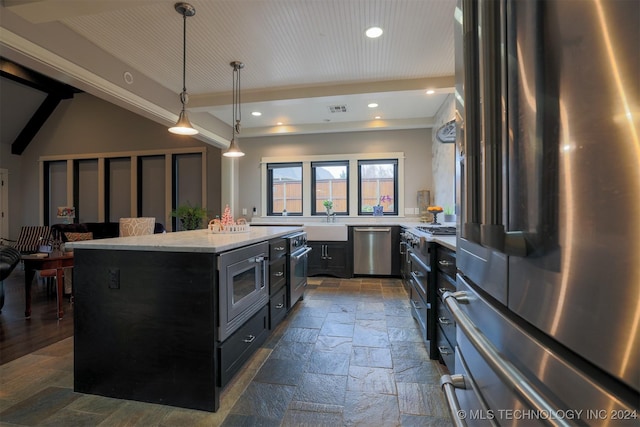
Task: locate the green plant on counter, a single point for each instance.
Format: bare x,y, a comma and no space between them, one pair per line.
448,210
190,216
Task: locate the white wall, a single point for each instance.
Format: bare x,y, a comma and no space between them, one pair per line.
415,143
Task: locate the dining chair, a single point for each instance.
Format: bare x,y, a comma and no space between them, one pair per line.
136,226
31,237
9,259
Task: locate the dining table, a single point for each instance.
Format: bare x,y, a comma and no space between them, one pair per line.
55,260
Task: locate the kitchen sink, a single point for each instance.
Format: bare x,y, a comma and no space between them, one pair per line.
331,232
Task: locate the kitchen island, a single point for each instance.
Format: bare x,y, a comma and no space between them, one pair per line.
147,315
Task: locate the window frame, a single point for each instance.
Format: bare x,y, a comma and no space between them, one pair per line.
322,163
393,162
270,202
353,172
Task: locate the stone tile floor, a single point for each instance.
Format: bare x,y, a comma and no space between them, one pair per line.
349,354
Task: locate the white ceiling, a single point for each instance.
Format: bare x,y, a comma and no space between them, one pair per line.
300,56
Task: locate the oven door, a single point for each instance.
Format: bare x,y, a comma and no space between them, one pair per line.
298,265
243,289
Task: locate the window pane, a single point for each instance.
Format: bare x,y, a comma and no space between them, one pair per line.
57,188
378,185
331,183
118,188
187,184
87,187
285,183
151,187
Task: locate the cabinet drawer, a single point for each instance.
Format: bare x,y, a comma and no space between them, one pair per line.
444,283
277,249
446,351
446,323
277,308
446,261
239,347
277,275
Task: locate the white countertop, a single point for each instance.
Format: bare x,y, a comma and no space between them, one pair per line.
410,223
446,241
187,241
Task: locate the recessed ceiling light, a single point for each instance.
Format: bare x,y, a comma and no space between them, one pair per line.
279,123
256,113
372,105
373,32
377,117
431,92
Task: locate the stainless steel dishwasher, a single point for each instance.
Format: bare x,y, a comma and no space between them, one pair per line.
372,250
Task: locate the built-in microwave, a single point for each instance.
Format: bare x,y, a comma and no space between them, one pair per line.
242,287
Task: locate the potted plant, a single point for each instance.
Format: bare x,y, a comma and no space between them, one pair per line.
328,205
190,216
449,215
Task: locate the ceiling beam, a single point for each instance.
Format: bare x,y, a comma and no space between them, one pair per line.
35,123
438,84
35,80
56,92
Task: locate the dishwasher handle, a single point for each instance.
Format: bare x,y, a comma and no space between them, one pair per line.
374,229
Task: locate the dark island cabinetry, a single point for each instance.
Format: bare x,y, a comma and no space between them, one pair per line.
171,318
330,258
145,326
277,282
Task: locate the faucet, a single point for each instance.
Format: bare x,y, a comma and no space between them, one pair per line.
331,217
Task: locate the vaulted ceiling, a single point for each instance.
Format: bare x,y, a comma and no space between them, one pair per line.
301,58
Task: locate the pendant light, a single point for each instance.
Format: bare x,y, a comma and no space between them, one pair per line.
234,150
183,125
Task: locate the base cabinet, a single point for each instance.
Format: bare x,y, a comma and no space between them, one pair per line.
277,308
329,258
278,282
240,346
446,281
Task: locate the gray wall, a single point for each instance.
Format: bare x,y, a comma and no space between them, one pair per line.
444,160
415,143
86,124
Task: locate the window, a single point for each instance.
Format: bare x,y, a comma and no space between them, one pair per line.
378,185
284,185
330,181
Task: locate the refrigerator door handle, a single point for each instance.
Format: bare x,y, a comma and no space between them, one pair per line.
449,383
500,365
492,91
531,136
469,124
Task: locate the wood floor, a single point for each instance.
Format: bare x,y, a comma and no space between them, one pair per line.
20,336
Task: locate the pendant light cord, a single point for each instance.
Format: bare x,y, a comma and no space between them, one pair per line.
237,111
184,60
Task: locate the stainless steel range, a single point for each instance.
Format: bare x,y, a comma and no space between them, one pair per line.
418,252
298,266
438,231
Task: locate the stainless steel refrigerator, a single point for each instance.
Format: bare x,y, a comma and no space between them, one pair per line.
547,305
